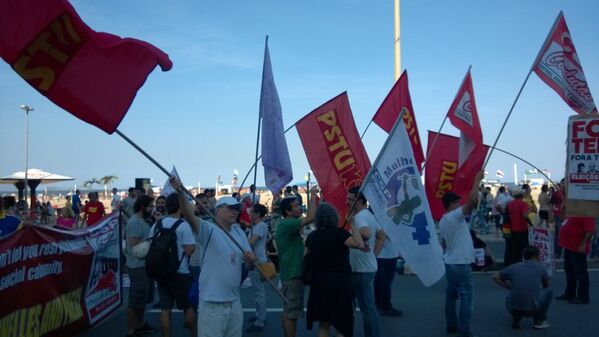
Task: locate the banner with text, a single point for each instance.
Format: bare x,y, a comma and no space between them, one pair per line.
59,283
583,157
334,150
442,172
543,239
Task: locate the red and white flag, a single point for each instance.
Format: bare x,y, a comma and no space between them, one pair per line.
397,100
464,116
558,65
499,174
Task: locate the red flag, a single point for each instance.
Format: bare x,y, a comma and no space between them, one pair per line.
398,99
443,173
558,65
334,150
464,116
92,75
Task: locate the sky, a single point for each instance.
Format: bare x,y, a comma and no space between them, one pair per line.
202,115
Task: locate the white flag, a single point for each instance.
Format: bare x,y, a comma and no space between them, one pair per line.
395,192
167,188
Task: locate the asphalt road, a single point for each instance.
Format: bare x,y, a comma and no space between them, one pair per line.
423,313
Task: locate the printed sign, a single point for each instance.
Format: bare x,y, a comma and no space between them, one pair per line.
583,158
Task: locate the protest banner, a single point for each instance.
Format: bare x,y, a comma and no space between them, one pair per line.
582,166
543,239
334,150
59,283
395,193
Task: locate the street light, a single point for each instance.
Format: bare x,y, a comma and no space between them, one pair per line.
27,109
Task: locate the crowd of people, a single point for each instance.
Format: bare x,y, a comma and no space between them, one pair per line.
217,244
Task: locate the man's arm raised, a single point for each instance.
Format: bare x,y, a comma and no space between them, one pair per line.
187,209
312,207
472,201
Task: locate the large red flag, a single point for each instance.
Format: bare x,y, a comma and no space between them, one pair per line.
398,99
442,171
464,116
92,75
334,150
558,65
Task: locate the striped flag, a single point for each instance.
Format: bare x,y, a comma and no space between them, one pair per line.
499,174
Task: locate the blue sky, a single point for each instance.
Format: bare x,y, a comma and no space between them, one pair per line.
202,115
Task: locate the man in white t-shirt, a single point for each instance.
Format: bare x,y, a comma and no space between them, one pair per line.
458,255
175,288
115,204
363,262
257,239
219,308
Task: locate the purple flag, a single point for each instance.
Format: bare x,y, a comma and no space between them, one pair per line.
275,156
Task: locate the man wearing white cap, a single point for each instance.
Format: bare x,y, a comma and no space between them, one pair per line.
219,307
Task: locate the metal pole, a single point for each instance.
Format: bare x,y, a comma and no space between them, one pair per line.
26,108
397,42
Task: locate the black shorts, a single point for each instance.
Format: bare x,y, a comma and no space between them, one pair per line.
175,289
544,215
138,291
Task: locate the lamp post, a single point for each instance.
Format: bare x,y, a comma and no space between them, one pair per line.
27,109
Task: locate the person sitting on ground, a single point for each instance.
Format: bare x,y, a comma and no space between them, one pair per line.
524,281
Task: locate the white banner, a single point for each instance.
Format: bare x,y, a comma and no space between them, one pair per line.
583,157
543,239
396,195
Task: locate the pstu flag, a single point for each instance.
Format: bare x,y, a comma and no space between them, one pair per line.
558,65
94,76
396,195
275,155
499,174
398,100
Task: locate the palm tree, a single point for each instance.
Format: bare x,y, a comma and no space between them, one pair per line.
107,180
90,183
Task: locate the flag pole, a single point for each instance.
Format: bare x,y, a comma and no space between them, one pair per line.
256,162
527,162
397,42
367,126
430,149
259,124
506,118
128,140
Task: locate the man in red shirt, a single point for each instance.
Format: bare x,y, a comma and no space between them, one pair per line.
518,215
557,200
575,237
94,210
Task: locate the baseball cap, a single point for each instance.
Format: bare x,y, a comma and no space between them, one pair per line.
517,190
226,201
450,197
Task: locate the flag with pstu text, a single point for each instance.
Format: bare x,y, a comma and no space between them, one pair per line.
443,173
334,150
275,155
94,76
396,195
559,67
398,100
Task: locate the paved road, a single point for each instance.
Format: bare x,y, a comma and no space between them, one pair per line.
423,313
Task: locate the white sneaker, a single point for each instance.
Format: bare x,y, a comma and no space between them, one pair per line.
541,325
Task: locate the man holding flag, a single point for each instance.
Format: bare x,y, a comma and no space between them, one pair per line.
459,254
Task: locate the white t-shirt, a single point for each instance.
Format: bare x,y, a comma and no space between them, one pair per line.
365,262
116,200
261,230
455,232
184,237
220,275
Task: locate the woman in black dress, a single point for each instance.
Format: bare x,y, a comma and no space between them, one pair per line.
331,294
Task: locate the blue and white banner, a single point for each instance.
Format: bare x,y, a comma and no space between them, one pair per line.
396,195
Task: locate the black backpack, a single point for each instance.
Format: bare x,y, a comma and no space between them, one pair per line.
163,258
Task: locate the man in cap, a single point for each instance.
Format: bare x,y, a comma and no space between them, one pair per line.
219,307
458,255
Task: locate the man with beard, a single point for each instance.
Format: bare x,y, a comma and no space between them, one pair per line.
137,231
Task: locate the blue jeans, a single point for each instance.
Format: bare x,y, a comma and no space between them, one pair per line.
539,315
364,288
382,283
459,285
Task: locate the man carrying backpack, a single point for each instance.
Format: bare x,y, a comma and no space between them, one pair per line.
219,308
168,262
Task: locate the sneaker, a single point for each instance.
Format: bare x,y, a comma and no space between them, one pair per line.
146,329
254,329
563,297
392,313
541,325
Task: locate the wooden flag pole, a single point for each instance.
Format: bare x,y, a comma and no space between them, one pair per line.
255,263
